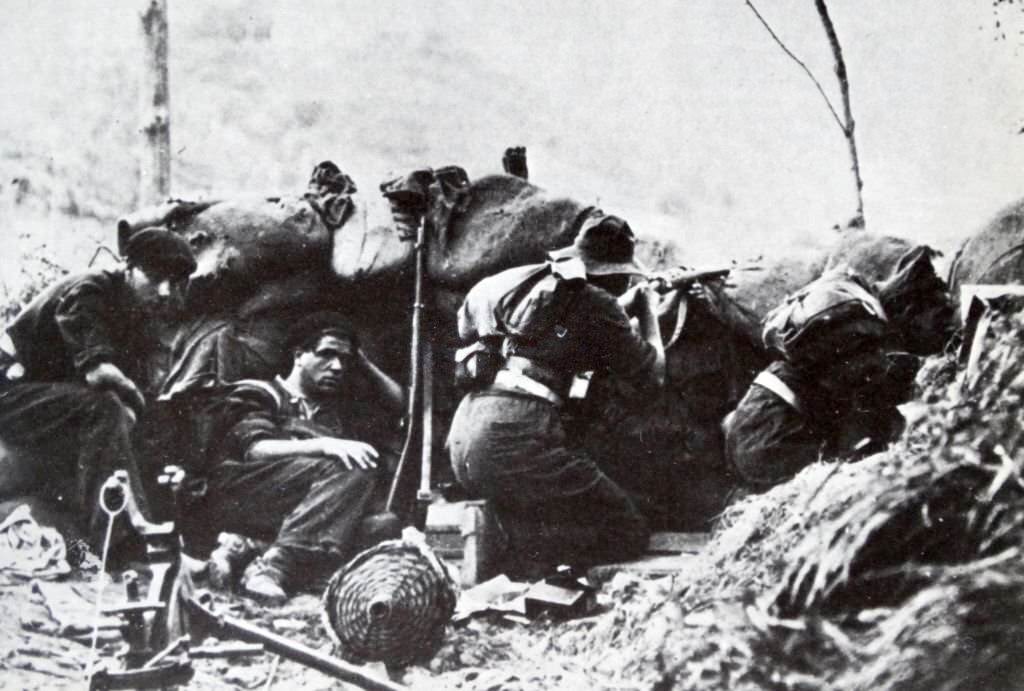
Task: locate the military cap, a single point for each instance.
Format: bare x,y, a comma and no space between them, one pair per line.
605,244
160,249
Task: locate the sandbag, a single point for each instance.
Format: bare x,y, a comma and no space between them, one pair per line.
995,254
507,222
257,238
246,241
872,255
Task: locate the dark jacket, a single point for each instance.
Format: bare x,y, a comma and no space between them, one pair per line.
768,440
253,410
75,324
257,410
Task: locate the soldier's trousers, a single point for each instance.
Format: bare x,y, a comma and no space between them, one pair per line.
309,507
555,503
63,440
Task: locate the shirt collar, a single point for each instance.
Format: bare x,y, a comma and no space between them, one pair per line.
298,398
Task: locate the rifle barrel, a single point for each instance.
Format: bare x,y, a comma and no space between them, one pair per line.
681,278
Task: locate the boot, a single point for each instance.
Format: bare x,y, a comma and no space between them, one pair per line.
232,555
266,578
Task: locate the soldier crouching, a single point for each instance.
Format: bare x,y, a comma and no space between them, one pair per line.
834,393
508,443
83,357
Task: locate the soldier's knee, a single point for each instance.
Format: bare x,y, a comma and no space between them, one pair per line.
365,480
319,467
330,469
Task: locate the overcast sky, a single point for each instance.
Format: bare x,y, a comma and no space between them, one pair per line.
703,114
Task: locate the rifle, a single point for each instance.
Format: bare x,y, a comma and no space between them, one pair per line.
159,651
201,613
680,277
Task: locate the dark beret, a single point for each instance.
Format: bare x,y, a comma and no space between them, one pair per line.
313,326
160,249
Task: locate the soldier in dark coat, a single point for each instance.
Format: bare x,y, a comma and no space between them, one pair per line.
833,393
79,363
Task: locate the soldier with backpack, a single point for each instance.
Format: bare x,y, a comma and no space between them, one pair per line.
833,393
543,325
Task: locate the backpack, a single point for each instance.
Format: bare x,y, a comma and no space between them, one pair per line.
519,304
524,302
829,304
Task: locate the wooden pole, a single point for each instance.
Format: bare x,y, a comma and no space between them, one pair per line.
155,157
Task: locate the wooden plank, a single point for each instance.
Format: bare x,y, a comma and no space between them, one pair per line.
649,565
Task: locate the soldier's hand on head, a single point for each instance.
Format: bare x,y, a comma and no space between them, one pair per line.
107,375
361,358
351,453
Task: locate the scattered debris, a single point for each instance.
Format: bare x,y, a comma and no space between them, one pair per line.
29,550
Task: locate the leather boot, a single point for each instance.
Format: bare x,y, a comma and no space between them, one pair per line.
232,555
266,578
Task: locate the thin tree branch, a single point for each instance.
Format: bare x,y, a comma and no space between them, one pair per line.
800,62
844,90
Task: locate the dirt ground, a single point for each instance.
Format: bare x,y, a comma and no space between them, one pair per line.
484,654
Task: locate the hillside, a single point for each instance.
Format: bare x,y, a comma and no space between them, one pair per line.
685,118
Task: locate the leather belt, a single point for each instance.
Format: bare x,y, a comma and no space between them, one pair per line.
518,381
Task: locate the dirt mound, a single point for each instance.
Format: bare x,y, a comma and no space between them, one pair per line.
762,288
872,255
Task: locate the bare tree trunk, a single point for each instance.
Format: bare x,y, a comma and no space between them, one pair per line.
155,156
848,125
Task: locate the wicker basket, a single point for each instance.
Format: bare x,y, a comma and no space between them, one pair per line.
390,604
